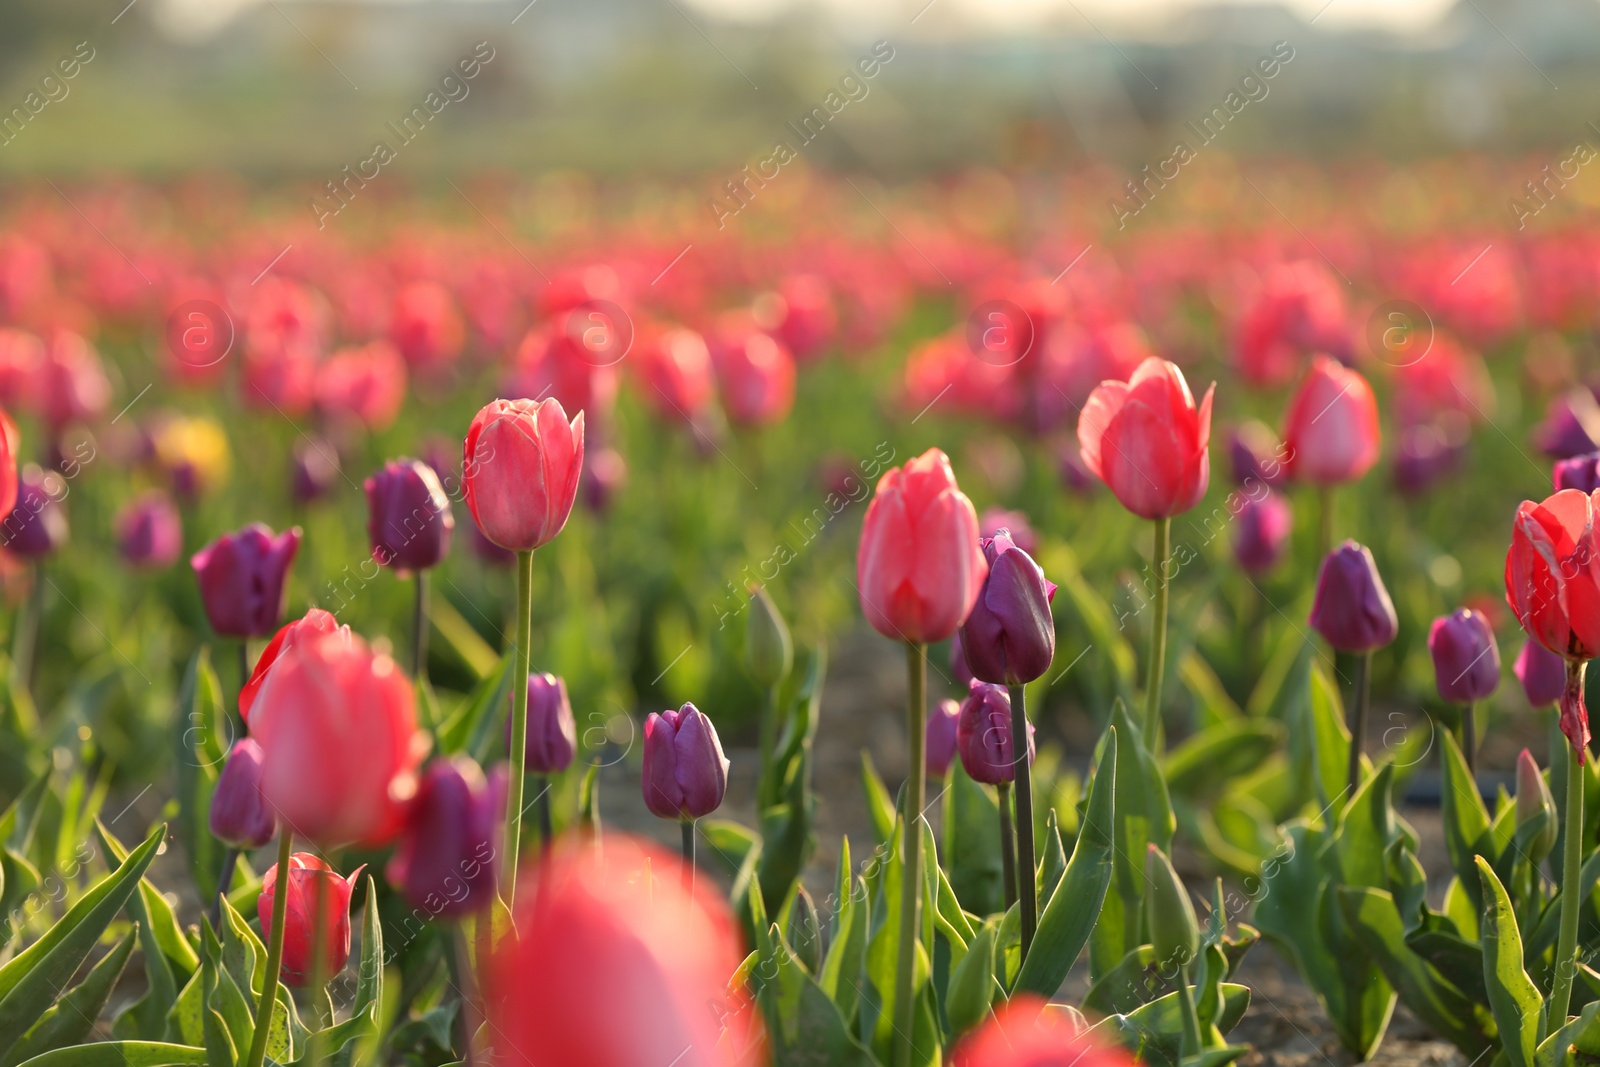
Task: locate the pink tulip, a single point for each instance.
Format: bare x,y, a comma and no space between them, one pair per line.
521,465
1147,441
1331,432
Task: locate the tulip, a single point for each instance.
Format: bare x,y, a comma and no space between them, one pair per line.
521,464
1253,454
1262,532
315,623
149,531
316,470
241,579
644,977
1429,451
993,520
1009,638
1026,1032
318,912
605,473
1534,800
685,772
426,326
337,724
677,375
756,376
552,738
941,737
1466,667
1579,472
240,815
1571,425
408,516
193,453
71,385
575,364
1147,441
445,863
1543,674
1353,613
365,386
1331,431
37,525
984,735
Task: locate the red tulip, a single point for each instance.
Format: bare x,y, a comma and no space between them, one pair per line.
1331,432
1147,441
71,385
337,726
366,385
919,568
675,372
318,897
521,465
1029,1033
644,974
316,623
426,326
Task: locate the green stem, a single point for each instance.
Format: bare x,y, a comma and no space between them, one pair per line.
1158,639
269,985
419,630
1008,854
688,853
766,789
1358,719
519,725
911,882
244,671
1469,737
230,860
1027,880
1571,860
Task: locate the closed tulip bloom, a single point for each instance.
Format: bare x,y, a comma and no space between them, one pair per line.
685,772
71,384
445,864
37,525
426,326
318,897
940,746
1543,674
1331,432
676,375
919,568
1580,472
521,465
1553,574
644,974
240,815
316,470
756,375
365,386
983,735
1027,1032
1352,609
315,623
241,579
1010,638
1533,800
1146,439
337,723
149,531
408,516
1261,533
552,733
1466,660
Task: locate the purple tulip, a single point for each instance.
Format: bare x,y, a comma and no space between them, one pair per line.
1426,453
1579,472
939,747
149,531
240,815
685,772
1253,455
408,516
446,859
1571,426
1352,609
1466,660
316,469
552,733
1543,674
983,735
37,526
1262,532
241,579
1010,637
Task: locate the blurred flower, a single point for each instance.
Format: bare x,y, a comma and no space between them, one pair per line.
1262,532
316,623
675,374
755,375
426,327
993,520
1578,472
800,314
1331,430
1255,455
521,464
37,525
1072,362
1352,610
1466,660
1071,470
408,516
939,746
919,568
70,386
241,578
240,815
1027,1032
1009,637
149,531
337,724
552,733
21,355
1428,452
559,363
1147,441
319,898
1571,425
1543,674
1300,309
1447,378
365,385
685,772
316,469
445,862
646,963
983,735
193,452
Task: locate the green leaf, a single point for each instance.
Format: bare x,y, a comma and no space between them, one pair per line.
120,1054
1143,817
1134,981
1154,1030
1220,754
880,805
475,726
1513,997
972,843
70,1021
1052,857
461,639
32,980
1069,916
1330,741
972,986
1466,820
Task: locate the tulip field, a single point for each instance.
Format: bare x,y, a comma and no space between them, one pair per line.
932,627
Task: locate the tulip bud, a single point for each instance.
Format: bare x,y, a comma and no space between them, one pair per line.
1331,431
1147,440
552,733
408,516
149,531
316,469
318,897
1262,533
520,467
1543,674
1580,472
685,772
983,735
446,860
939,748
1352,609
1174,931
768,651
241,579
1009,637
1466,660
37,526
1533,797
240,815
